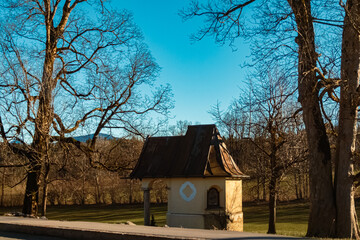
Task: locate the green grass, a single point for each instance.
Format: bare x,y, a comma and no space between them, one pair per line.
107,213
291,217
102,213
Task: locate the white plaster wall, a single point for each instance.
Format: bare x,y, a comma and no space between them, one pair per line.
197,205
191,213
233,192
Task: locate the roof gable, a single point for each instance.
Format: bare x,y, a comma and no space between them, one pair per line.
199,153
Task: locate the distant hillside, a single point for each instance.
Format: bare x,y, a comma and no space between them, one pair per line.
90,136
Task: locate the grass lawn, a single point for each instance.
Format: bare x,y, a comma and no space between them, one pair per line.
102,213
291,217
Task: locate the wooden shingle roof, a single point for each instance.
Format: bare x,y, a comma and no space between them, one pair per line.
199,153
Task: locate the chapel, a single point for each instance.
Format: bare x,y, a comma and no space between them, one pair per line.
203,181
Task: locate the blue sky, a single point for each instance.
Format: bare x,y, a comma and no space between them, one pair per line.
200,73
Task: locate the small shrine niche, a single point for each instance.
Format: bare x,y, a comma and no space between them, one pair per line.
204,183
213,200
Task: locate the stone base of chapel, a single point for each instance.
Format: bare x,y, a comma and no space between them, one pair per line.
206,221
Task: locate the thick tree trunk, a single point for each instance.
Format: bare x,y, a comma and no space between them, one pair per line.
40,145
31,199
346,219
44,115
322,204
43,122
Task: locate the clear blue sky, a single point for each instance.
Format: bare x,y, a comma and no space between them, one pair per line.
200,73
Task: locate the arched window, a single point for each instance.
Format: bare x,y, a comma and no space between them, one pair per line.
213,200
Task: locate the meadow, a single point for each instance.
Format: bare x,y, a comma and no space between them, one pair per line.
291,216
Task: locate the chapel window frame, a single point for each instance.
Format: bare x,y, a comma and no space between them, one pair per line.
213,198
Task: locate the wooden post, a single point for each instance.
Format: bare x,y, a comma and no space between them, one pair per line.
146,206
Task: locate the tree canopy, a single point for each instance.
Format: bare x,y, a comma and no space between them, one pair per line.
67,66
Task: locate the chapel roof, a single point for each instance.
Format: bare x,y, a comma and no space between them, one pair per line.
201,152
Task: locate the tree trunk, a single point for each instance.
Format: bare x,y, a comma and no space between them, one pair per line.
306,186
98,194
258,188
296,186
44,116
83,194
31,199
41,140
2,187
273,181
322,204
44,200
130,192
301,183
40,145
45,189
272,205
346,219
83,190
146,206
264,188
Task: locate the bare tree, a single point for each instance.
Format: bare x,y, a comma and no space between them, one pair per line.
69,65
273,110
179,128
318,75
322,210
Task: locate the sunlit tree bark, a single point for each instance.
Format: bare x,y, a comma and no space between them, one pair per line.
322,209
346,219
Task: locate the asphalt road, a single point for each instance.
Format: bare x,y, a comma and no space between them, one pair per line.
21,236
